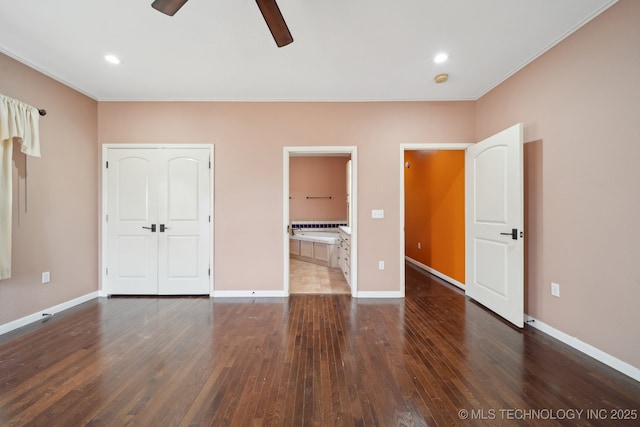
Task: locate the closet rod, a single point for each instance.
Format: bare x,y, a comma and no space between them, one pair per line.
318,197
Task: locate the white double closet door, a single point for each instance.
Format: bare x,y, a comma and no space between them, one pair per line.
158,221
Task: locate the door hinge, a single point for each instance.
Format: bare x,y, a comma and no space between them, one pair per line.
106,271
209,272
209,218
209,164
106,217
107,164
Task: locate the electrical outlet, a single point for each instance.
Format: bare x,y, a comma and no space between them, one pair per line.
419,245
380,265
46,277
555,289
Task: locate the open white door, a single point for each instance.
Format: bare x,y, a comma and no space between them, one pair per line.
494,224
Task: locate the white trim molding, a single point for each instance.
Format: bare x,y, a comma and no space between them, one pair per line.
380,294
39,315
249,294
585,348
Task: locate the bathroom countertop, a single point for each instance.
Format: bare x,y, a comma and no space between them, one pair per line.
345,229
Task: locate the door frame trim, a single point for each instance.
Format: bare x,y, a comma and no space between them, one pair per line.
430,146
321,150
103,291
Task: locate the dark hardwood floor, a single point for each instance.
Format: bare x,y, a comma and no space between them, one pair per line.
434,358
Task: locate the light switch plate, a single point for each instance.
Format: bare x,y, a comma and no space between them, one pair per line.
377,213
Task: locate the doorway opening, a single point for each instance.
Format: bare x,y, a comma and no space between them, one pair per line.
493,221
432,210
319,211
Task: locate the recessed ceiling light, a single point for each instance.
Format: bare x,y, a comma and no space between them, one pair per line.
440,58
112,59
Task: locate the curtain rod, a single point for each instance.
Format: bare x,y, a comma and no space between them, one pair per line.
41,111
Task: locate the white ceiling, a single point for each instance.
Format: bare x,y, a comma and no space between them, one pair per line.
344,50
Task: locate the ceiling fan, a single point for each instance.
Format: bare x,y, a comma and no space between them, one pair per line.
269,9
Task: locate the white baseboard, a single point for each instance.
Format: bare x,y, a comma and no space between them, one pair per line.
282,294
435,273
585,348
24,321
249,294
380,294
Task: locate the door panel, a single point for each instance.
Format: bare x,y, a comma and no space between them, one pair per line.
490,179
489,275
131,249
183,246
182,255
133,178
133,256
183,189
494,206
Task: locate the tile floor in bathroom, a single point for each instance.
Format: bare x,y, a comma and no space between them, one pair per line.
309,278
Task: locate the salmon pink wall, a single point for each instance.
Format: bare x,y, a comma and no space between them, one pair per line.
249,140
434,210
579,106
54,198
318,177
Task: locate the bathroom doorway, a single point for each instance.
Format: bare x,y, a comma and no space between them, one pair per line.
319,206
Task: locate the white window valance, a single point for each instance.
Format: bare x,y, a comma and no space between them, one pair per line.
19,122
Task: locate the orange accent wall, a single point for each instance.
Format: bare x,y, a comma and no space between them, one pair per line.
318,177
434,210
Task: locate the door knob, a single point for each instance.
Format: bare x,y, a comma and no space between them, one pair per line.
152,228
163,227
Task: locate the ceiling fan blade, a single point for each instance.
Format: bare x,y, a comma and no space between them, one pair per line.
273,17
168,7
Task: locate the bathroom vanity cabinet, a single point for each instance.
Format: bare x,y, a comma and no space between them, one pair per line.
344,254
